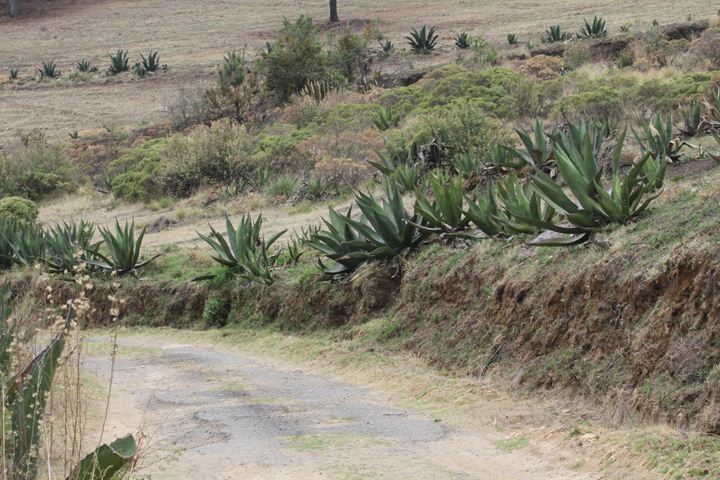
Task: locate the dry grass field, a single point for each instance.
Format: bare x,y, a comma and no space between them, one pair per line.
193,36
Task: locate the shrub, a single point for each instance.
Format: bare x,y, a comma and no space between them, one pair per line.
296,58
218,154
134,175
543,67
339,173
490,89
283,186
483,52
36,171
186,108
17,209
216,312
350,56
423,40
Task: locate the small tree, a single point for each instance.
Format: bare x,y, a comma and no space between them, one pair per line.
333,11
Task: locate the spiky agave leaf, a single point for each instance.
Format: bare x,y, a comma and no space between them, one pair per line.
26,395
106,460
446,213
423,40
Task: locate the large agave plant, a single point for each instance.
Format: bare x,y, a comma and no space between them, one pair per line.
446,213
49,70
656,137
384,231
517,203
385,118
25,394
577,134
693,119
118,62
538,147
555,34
151,63
245,251
69,245
596,29
423,40
28,245
8,233
123,250
591,207
483,212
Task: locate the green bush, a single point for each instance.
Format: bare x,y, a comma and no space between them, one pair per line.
349,56
36,171
491,89
19,210
295,59
134,175
216,312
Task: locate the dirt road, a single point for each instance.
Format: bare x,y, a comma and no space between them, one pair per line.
216,414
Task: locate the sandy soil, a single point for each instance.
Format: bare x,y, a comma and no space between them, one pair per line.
214,413
192,37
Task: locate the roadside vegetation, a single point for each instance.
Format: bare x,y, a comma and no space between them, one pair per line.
485,162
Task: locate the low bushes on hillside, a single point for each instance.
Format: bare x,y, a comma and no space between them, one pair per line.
37,170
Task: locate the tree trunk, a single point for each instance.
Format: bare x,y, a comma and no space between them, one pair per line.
333,11
14,8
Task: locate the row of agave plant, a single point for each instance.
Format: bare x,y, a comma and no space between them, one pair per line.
25,390
573,187
64,247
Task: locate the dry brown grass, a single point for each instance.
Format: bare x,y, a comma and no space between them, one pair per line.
192,37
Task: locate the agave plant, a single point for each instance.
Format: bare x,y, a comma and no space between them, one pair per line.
391,158
118,62
385,118
245,252
711,118
151,63
446,213
384,231
14,72
538,147
29,245
656,137
69,245
49,70
555,34
624,28
466,164
693,119
84,66
592,207
123,250
483,212
25,396
406,177
596,29
8,233
316,189
423,40
518,202
462,41
386,46
512,39
576,135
